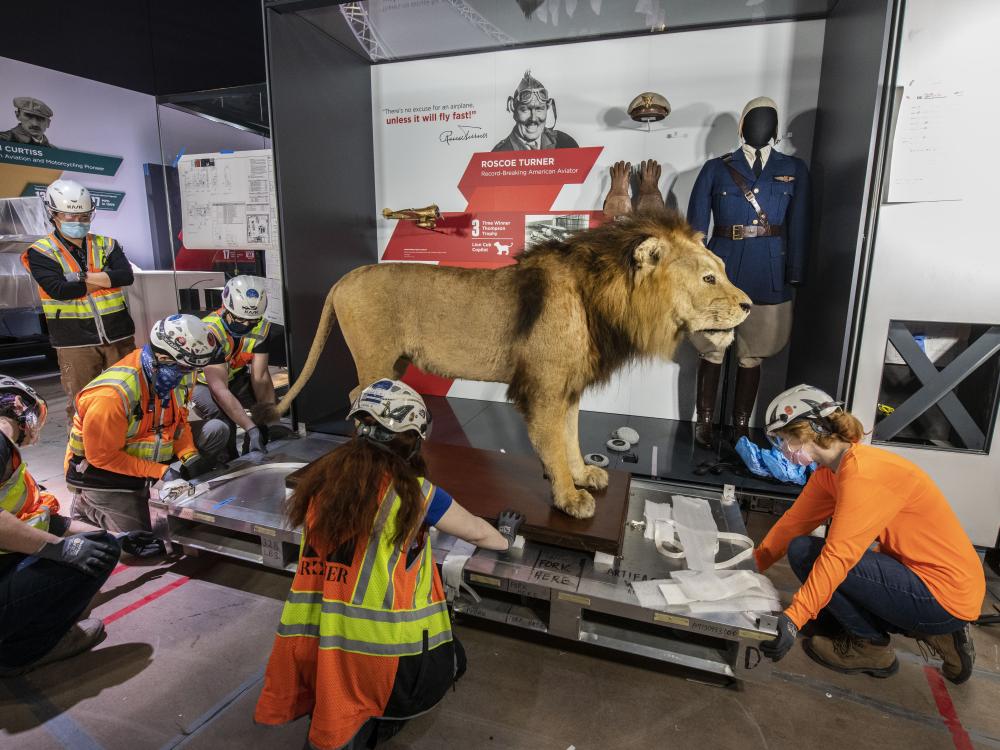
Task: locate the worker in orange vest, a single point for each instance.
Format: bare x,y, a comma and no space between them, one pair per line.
50,567
131,424
365,638
80,276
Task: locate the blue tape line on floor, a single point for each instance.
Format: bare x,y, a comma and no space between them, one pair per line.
213,713
56,722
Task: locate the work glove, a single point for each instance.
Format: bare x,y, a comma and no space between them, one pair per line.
141,544
787,631
254,441
195,466
508,523
170,475
90,553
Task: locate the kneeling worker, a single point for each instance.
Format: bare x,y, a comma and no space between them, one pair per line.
925,579
365,638
131,423
243,380
50,567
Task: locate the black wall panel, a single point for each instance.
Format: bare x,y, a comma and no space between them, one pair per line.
321,128
846,139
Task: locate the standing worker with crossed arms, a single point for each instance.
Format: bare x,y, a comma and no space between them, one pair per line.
80,278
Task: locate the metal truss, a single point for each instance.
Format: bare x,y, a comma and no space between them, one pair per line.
474,17
356,15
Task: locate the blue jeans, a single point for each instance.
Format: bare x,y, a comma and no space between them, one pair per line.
40,600
879,596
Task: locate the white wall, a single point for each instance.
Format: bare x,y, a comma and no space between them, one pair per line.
938,261
707,75
103,119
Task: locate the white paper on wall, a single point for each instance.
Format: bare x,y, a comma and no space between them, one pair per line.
228,202
925,162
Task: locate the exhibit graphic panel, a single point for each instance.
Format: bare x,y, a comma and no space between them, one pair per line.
449,135
228,202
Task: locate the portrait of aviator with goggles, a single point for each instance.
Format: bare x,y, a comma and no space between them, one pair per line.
531,107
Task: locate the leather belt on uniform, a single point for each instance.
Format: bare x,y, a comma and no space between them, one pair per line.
748,231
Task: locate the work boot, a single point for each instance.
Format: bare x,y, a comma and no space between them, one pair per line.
708,387
81,637
849,654
955,650
747,380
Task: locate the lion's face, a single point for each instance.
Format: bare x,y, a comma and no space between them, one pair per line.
702,299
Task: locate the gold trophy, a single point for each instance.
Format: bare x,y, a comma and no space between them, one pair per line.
426,218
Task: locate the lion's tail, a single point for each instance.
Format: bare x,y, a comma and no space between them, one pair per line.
269,413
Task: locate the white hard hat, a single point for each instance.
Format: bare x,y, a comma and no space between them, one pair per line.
68,196
187,339
395,407
800,402
21,403
245,296
757,103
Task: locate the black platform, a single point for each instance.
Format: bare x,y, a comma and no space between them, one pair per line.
490,425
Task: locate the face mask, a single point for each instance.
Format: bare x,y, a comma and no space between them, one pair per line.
799,456
237,329
164,377
75,229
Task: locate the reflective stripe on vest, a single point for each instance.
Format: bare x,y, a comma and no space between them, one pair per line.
99,303
372,622
20,491
238,353
148,446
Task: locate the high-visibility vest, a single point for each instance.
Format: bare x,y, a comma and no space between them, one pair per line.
152,427
239,352
20,494
95,318
350,616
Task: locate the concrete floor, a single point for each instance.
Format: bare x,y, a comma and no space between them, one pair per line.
188,639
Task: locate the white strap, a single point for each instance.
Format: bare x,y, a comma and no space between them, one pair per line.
668,545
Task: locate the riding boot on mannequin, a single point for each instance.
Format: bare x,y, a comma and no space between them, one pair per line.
757,201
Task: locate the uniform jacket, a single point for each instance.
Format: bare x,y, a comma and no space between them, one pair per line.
763,267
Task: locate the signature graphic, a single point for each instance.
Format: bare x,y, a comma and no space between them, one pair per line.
466,133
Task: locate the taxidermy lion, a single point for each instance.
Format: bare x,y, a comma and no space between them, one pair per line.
564,317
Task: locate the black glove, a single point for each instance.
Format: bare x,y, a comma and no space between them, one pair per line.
787,631
508,523
195,467
255,440
170,475
90,553
141,544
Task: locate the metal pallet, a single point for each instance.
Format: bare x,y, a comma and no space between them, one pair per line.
563,593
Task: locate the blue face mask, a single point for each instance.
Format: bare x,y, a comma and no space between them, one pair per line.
237,330
164,377
75,229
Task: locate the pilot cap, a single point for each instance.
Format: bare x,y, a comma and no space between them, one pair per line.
649,107
32,106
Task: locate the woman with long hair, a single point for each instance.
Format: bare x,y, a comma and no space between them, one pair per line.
895,558
365,638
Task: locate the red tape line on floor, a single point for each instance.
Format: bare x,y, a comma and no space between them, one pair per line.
146,600
947,709
119,568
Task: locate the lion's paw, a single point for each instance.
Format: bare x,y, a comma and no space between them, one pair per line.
593,477
578,503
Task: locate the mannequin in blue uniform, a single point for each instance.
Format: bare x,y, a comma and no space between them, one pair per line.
757,200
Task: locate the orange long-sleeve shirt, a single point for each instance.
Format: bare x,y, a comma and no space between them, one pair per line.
102,418
873,495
